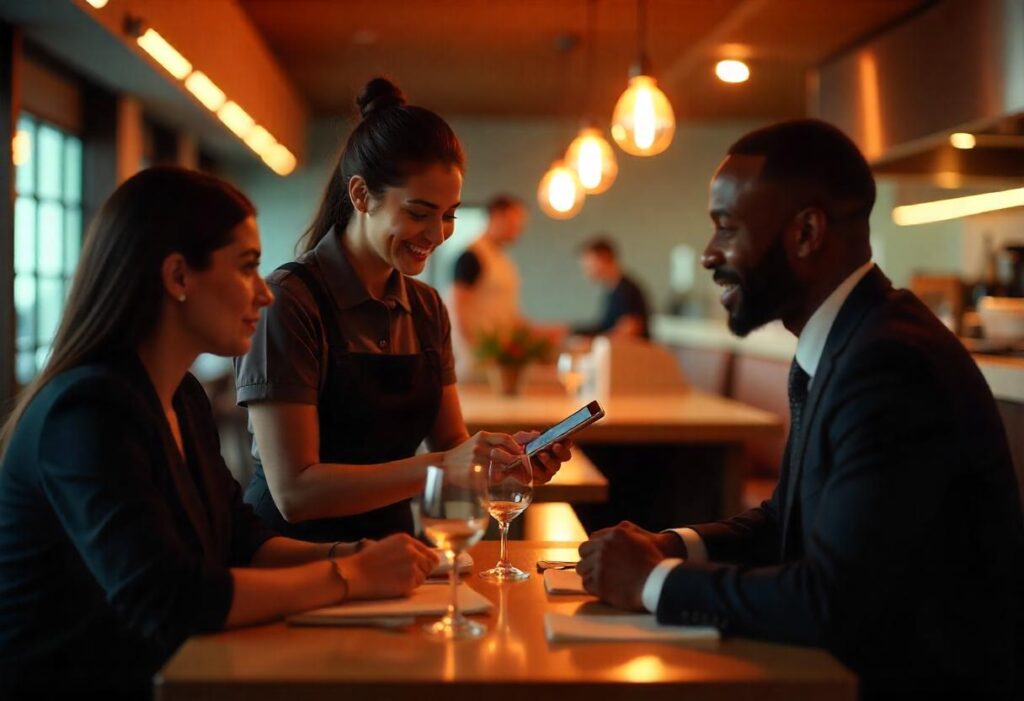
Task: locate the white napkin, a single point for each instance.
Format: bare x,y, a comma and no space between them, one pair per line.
563,582
623,628
464,562
427,600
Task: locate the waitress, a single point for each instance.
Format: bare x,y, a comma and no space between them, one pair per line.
352,368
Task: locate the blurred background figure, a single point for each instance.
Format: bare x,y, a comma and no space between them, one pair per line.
485,292
624,309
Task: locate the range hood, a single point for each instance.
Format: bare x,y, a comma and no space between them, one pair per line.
957,65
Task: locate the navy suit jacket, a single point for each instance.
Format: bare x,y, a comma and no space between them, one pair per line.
113,550
894,535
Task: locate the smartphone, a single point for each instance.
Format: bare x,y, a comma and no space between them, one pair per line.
565,428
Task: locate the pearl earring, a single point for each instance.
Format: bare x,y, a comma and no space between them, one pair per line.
181,297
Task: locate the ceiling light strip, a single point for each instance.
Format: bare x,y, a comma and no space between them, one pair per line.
954,208
241,124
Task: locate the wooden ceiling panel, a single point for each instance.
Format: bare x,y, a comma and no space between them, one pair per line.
502,57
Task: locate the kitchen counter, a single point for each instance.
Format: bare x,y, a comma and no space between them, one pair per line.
1005,375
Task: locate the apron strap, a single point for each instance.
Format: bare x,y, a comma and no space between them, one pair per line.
335,337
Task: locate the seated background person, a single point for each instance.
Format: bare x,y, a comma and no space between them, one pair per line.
625,311
894,536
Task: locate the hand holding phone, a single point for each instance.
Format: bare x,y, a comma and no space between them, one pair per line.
565,428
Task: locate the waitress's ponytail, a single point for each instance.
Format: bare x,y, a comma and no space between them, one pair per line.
393,141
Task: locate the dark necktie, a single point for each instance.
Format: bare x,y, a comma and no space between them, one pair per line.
798,381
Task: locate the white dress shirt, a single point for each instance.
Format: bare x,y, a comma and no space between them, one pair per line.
809,348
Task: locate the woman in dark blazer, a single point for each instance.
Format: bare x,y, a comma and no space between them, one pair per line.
121,531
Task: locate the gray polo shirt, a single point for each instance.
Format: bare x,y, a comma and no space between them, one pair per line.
289,349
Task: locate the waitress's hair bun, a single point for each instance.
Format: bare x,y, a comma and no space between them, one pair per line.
378,95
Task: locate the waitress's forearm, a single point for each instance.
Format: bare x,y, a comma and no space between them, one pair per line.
326,490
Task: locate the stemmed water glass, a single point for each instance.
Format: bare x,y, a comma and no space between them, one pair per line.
570,372
509,492
453,509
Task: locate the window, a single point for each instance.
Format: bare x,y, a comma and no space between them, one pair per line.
47,235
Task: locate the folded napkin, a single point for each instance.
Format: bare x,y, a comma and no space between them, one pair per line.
427,600
464,562
562,628
563,582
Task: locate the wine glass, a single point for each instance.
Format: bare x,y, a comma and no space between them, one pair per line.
509,492
570,372
453,510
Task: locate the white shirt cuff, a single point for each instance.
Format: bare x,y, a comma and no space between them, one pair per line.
696,552
655,581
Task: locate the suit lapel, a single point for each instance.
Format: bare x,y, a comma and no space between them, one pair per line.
870,291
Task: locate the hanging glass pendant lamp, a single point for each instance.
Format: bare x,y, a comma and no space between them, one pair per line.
643,122
593,159
590,154
560,193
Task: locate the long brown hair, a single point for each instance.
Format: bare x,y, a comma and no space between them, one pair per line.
115,297
391,142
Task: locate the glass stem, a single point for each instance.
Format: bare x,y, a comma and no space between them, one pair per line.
503,557
453,577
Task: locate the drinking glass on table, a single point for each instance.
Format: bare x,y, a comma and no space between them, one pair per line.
453,510
509,492
570,372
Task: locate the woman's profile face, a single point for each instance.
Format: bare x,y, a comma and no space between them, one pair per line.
407,223
224,300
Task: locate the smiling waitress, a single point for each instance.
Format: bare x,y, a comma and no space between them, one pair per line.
351,368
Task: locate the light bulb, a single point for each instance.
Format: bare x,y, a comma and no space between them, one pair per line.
963,140
732,71
593,159
561,194
643,122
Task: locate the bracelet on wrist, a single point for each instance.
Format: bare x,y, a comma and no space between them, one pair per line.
341,578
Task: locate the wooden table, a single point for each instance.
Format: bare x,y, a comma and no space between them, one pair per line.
689,417
513,661
683,420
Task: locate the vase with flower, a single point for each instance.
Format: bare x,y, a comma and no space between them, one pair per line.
506,352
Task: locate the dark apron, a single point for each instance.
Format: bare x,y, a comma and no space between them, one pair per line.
373,408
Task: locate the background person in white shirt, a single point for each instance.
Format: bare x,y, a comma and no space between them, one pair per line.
485,291
894,536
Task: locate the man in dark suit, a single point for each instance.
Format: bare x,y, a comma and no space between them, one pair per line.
894,536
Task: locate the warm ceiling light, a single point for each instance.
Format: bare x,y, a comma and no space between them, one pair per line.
593,159
560,194
236,119
164,54
963,140
941,210
732,71
280,159
98,4
260,140
205,90
643,122
21,147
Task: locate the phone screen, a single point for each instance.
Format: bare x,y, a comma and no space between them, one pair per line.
566,427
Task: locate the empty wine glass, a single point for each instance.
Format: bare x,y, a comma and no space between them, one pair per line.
453,509
509,492
570,372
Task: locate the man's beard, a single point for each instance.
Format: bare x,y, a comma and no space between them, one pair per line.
766,292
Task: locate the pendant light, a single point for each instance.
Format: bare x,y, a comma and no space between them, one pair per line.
560,193
590,154
643,123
